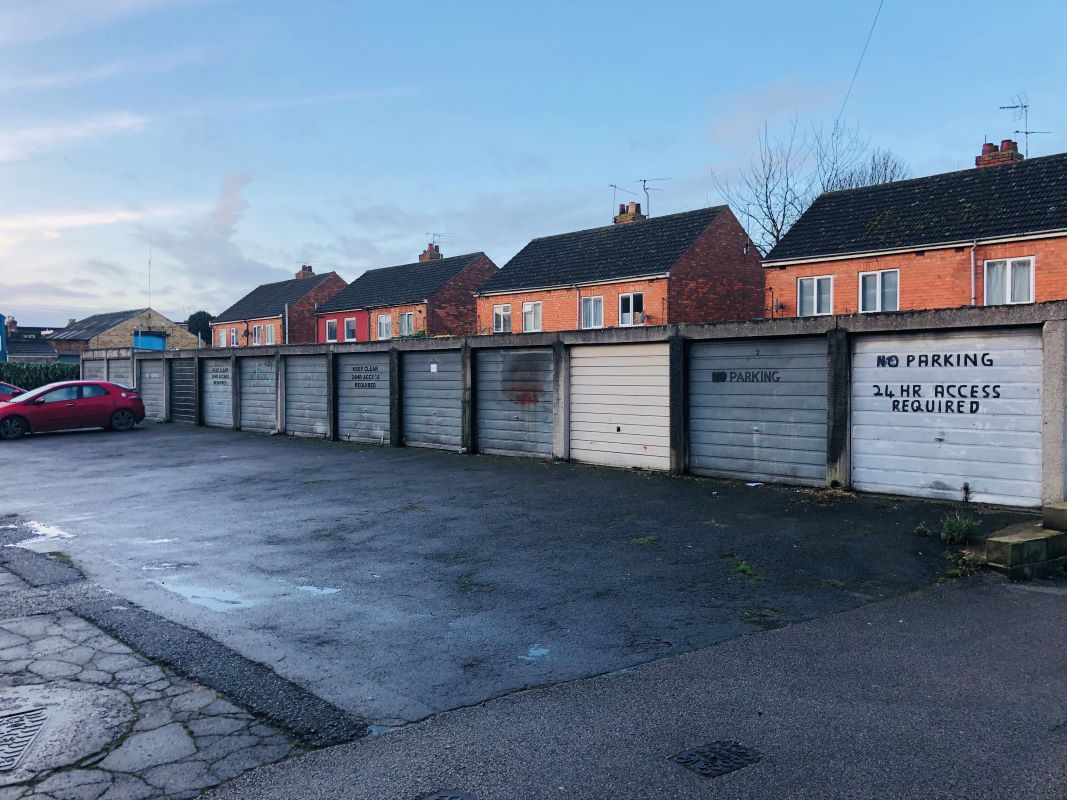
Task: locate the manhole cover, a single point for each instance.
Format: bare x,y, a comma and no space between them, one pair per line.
17,732
717,758
449,794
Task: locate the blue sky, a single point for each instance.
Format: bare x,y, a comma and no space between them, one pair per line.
245,137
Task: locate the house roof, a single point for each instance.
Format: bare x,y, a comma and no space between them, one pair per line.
399,285
270,299
629,250
28,342
87,328
1006,200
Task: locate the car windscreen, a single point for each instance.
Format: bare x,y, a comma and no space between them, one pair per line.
33,393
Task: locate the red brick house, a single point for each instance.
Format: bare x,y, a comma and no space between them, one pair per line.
993,235
276,313
431,297
697,266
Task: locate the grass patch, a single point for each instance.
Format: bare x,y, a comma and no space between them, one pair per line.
746,569
645,541
765,618
467,583
832,583
714,523
957,528
921,530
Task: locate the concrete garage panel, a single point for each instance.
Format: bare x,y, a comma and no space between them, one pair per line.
757,410
182,396
513,402
363,398
259,394
93,370
432,388
934,412
305,395
118,371
150,384
216,388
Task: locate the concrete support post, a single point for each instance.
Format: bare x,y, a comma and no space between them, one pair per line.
107,367
838,413
198,390
279,392
1053,411
467,438
678,372
561,401
331,396
165,379
235,395
396,409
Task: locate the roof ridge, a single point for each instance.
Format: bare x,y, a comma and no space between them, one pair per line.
435,261
640,222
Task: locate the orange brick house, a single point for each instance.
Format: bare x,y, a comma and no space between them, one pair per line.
993,235
697,266
432,297
276,313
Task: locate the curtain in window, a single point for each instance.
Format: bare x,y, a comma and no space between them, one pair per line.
996,282
1020,281
869,292
806,302
890,293
825,300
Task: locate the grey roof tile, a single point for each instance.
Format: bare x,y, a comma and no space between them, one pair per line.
270,299
399,285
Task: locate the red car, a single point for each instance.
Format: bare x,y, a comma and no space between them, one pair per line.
71,404
7,391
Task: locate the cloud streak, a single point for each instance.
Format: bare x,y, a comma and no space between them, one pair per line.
70,79
29,21
21,143
29,223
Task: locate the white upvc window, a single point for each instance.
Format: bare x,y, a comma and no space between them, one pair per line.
233,337
257,334
385,326
270,333
331,330
1009,281
592,312
815,296
631,309
222,337
531,317
502,318
407,323
350,329
880,291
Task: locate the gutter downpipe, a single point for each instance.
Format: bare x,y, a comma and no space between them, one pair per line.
287,323
974,267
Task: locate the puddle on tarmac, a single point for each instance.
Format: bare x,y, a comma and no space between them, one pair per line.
43,535
318,590
158,566
209,596
535,652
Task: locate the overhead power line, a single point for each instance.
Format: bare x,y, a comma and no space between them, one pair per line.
859,63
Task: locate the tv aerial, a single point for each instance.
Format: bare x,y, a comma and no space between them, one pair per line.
615,189
646,189
1021,107
437,236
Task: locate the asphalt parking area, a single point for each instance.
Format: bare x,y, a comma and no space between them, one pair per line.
395,583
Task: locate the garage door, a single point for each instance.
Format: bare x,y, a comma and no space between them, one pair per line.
182,396
757,410
118,371
513,402
93,370
259,394
620,405
432,399
363,398
932,413
150,384
305,395
216,387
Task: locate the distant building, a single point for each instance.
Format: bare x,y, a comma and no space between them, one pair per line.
30,345
143,328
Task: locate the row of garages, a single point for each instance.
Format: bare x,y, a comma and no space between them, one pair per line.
942,415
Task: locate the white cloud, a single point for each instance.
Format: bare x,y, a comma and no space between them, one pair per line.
26,223
22,143
67,79
28,21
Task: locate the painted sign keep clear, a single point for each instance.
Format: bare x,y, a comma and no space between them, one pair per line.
365,376
949,395
220,375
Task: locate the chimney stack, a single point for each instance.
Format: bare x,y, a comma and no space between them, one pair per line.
71,322
431,253
306,272
992,156
12,326
629,212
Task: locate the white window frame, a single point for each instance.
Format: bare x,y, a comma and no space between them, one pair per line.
817,313
632,323
400,318
222,337
859,289
1007,278
329,337
270,333
388,320
351,338
257,334
593,301
233,337
501,310
528,307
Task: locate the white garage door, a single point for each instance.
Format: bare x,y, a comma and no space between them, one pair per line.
620,405
934,412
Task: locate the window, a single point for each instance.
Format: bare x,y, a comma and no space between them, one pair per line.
592,312
1009,281
65,394
631,309
331,330
880,291
233,337
385,327
93,391
502,318
270,334
407,323
815,296
257,334
531,317
350,329
222,337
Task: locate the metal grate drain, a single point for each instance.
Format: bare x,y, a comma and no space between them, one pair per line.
449,794
17,732
717,758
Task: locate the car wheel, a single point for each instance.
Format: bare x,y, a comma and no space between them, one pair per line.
13,428
123,420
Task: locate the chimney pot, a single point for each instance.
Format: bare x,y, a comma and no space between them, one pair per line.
988,148
305,272
1008,153
431,253
71,322
622,208
629,212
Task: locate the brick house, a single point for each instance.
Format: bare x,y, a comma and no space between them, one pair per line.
697,266
276,313
431,297
992,235
120,329
29,345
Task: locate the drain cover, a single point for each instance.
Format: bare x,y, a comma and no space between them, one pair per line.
717,758
17,732
449,794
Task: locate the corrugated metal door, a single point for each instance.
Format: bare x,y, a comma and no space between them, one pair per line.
433,398
216,390
118,371
757,409
932,412
259,394
93,370
182,397
620,405
150,384
305,395
363,398
513,402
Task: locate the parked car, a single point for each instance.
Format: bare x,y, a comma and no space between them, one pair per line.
8,390
71,404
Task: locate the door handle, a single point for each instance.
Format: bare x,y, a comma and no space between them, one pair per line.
72,404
